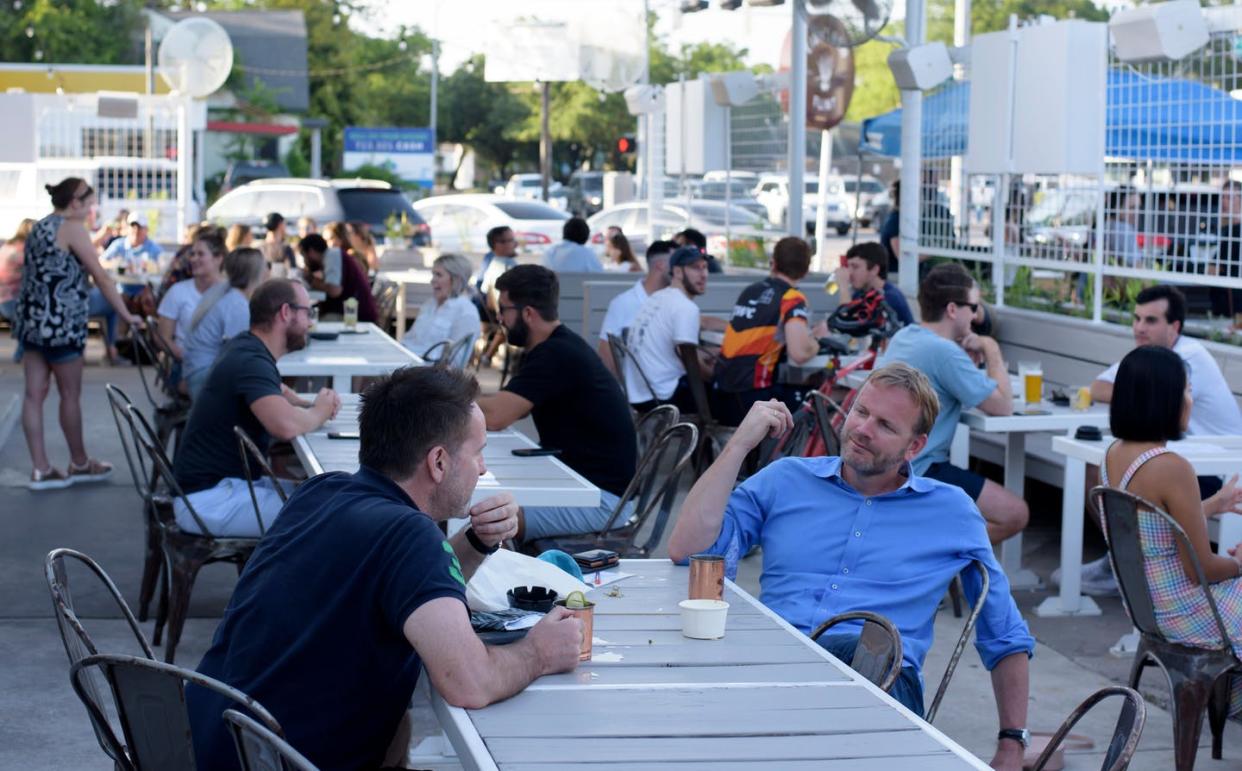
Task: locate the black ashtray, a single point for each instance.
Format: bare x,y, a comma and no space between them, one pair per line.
1059,398
536,598
1089,433
324,335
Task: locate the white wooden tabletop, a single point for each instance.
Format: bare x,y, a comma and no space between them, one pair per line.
763,697
540,481
369,351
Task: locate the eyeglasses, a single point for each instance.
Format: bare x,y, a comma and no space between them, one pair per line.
504,308
974,307
306,308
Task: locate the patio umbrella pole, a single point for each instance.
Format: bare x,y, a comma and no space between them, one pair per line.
821,204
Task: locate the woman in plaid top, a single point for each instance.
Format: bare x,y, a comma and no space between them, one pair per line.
1150,407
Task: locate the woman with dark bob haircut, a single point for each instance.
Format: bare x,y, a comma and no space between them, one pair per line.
1151,406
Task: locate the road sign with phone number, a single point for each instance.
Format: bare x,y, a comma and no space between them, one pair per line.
408,152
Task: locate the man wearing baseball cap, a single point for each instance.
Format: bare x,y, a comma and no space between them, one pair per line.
135,248
667,319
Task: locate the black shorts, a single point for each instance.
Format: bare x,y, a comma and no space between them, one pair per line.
946,472
1209,486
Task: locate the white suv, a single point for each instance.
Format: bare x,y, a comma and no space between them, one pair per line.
773,192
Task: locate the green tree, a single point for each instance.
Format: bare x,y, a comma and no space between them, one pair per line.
874,89
993,15
71,31
488,117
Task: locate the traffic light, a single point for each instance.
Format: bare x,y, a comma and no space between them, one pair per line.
627,144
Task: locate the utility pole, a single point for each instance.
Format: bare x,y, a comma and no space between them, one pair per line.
545,138
797,122
435,134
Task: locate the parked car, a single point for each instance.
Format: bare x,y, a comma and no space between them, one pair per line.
461,222
530,186
750,235
349,200
240,173
860,192
773,193
585,192
749,178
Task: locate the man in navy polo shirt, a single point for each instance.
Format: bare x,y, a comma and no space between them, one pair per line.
354,589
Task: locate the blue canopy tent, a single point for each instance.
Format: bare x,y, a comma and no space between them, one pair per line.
1147,118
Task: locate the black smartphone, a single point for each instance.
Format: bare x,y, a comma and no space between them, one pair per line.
535,452
344,435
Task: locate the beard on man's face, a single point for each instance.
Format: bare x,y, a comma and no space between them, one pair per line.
294,340
518,334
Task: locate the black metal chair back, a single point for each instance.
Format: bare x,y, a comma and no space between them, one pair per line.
260,749
1126,733
164,358
825,408
252,455
154,371
78,643
1199,676
984,584
153,453
149,698
689,355
877,656
651,427
146,483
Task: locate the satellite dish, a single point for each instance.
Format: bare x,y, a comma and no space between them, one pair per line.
196,57
861,20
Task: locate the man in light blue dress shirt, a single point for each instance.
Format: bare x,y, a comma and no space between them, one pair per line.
571,255
862,532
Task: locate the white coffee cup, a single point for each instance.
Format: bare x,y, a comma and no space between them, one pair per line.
703,619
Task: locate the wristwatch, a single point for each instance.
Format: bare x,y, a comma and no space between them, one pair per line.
478,544
1020,735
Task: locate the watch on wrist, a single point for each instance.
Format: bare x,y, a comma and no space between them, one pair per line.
478,544
1020,735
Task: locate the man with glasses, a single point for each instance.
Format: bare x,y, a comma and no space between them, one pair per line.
944,349
243,389
576,403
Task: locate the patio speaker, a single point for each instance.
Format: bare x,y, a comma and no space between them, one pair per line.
920,67
641,100
1168,31
733,89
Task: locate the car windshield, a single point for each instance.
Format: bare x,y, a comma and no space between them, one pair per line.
375,205
738,217
531,210
535,182
868,186
716,190
592,184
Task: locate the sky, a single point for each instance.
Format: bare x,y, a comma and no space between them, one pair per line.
464,26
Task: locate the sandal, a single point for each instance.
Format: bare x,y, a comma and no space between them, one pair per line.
52,479
91,471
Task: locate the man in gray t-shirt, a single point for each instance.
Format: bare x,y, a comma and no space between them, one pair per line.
944,349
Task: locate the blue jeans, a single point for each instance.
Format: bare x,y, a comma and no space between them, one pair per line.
98,305
908,688
547,521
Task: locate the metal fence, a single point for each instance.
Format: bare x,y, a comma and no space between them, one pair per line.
1168,208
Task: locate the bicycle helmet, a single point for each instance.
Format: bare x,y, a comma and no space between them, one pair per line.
862,316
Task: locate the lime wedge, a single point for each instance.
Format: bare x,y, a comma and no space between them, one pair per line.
576,600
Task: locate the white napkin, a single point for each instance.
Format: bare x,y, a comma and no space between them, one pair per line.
488,588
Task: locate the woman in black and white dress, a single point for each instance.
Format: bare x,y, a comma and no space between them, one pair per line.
50,328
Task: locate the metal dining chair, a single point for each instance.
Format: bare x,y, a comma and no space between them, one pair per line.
261,749
251,454
969,627
1199,677
146,483
149,701
1126,733
877,656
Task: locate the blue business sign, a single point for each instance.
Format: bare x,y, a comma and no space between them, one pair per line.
407,152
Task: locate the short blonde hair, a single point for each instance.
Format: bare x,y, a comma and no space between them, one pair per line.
916,384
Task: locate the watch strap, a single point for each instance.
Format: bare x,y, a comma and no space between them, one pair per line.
1020,735
478,544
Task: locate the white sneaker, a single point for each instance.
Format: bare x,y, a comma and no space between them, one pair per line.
1097,578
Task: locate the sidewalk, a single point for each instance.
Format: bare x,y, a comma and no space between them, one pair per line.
43,726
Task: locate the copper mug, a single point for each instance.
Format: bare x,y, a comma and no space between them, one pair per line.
587,617
706,577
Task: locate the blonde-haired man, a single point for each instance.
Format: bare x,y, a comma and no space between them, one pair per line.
863,532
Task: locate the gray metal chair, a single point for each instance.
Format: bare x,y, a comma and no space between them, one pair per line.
260,749
1126,734
78,644
984,583
251,454
878,654
149,699
624,359
1198,677
652,426
169,408
184,553
651,493
712,434
145,481
454,354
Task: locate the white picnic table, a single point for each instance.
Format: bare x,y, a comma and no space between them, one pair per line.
1209,455
368,351
404,278
538,481
763,697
